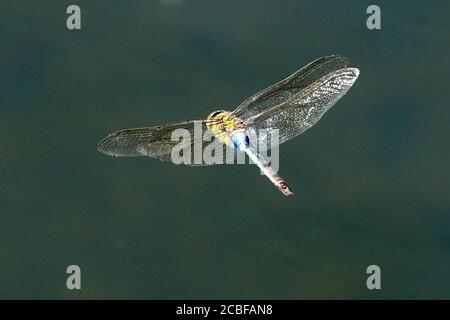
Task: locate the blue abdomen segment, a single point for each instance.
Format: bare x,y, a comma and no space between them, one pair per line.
240,140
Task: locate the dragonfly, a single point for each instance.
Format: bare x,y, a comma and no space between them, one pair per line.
290,106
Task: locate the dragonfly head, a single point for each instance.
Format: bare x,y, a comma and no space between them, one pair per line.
215,114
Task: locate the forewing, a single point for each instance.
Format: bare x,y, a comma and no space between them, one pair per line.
283,90
159,142
302,110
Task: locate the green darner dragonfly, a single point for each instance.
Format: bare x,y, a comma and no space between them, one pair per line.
288,107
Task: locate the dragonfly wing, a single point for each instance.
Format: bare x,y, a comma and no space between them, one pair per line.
160,141
284,89
132,142
302,110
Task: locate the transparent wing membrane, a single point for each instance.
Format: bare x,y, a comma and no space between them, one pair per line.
303,109
284,89
157,142
132,142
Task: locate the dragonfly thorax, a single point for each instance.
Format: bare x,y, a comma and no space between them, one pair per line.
224,124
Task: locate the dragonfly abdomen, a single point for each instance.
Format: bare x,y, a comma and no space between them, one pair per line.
268,171
240,140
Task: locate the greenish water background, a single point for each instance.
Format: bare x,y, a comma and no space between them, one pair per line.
371,178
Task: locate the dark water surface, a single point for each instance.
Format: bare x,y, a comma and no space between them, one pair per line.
371,178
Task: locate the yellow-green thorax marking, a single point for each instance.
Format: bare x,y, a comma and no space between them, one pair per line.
222,123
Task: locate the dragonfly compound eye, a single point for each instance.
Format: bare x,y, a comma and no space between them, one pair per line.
214,114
